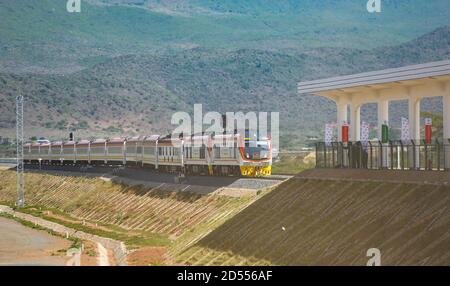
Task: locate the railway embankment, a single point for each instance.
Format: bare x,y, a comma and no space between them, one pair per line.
322,217
318,217
148,217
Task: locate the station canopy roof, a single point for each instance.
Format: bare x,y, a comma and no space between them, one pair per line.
378,80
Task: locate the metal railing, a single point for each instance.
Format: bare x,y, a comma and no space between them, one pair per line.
394,155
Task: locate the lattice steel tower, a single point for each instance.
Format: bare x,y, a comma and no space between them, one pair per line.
19,143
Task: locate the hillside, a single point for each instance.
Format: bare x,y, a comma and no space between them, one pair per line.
125,66
40,36
139,93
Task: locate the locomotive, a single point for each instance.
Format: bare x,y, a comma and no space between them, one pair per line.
196,154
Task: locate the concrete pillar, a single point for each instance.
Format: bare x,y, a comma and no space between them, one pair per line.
342,115
383,115
355,126
446,114
414,130
414,117
446,121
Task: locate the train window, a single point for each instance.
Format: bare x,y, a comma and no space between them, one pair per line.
115,150
97,150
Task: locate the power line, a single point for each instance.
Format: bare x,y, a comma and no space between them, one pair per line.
19,143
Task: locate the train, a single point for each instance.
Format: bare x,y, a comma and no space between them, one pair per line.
196,154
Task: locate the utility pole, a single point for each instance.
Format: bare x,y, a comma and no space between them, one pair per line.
19,143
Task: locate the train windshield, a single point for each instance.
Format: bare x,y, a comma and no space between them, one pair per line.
259,150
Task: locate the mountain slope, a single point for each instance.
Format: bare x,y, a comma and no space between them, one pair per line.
139,93
40,36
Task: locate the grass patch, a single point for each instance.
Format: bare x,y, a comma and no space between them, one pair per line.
132,240
290,165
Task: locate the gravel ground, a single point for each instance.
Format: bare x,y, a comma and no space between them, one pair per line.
165,181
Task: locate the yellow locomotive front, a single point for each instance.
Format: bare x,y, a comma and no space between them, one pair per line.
256,157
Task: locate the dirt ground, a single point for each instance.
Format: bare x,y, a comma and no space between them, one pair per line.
147,256
89,254
20,245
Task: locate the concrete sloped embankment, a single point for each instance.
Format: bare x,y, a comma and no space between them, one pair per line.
167,209
334,221
143,214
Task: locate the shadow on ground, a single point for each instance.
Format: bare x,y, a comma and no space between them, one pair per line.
331,222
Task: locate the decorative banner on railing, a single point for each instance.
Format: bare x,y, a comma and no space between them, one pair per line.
345,129
428,130
329,130
365,127
365,132
405,130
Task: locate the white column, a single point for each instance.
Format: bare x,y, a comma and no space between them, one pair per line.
414,129
383,115
355,126
342,115
446,119
414,117
446,114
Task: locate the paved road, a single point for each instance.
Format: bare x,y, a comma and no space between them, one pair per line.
20,245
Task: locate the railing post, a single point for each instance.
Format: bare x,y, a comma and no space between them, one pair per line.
446,155
426,155
317,153
350,155
413,166
438,155
391,147
360,159
402,157
380,155
332,156
371,153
